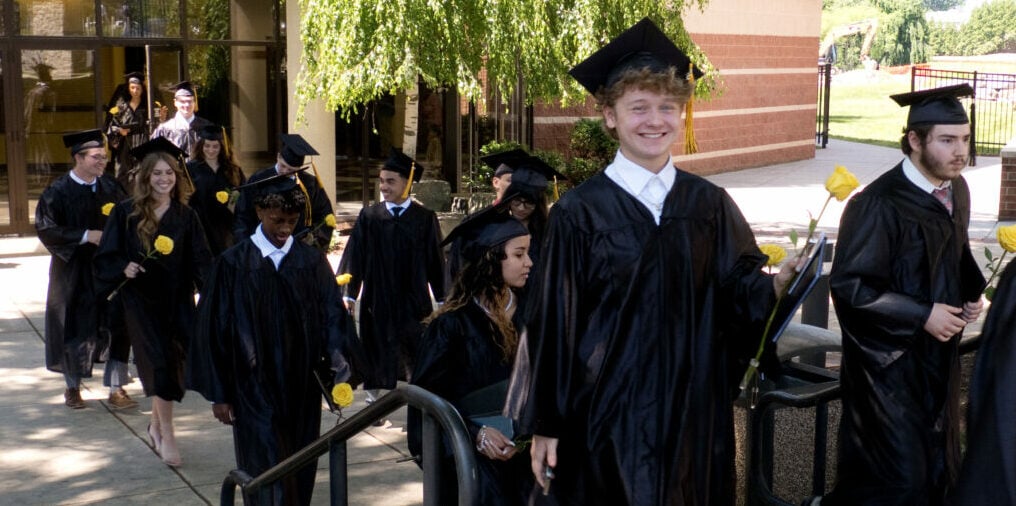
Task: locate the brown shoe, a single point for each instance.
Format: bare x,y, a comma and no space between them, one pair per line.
120,400
72,398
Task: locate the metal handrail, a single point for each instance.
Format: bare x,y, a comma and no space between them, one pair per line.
434,408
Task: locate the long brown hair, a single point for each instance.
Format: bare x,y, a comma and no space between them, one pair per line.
482,280
230,170
144,202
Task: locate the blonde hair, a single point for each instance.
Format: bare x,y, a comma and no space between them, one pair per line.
667,83
144,202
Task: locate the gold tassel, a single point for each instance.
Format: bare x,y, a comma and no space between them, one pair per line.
557,196
690,144
225,144
409,183
308,219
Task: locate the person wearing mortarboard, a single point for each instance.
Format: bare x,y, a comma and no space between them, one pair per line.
904,284
317,219
182,129
395,260
216,176
269,313
152,257
467,351
69,219
127,124
651,299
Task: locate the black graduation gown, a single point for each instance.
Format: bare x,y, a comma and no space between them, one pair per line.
394,259
634,341
74,311
184,135
898,253
458,356
259,333
988,475
158,304
321,206
136,121
216,218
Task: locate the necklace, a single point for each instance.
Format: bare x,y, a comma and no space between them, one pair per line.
511,300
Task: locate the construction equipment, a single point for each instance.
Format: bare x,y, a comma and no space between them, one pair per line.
827,50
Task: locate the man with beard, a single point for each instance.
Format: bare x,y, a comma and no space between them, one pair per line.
904,284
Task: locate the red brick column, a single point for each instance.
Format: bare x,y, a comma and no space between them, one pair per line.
1007,197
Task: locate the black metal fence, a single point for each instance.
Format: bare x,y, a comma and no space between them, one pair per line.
992,107
825,72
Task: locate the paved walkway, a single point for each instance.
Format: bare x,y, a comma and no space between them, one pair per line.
52,455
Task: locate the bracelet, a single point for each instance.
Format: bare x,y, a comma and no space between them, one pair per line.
483,439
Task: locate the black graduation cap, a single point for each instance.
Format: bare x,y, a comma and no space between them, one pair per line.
530,174
480,231
134,77
211,133
642,45
400,162
158,144
294,148
937,106
86,139
183,89
270,181
502,169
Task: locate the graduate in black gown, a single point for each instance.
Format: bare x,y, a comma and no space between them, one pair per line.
127,124
270,312
69,219
317,220
904,284
182,129
652,292
154,280
988,475
394,255
215,176
466,354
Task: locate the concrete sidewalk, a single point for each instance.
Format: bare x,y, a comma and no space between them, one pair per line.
50,454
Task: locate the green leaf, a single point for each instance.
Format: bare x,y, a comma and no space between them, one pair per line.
988,255
793,237
989,293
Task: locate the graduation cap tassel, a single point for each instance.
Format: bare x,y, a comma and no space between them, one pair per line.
225,144
557,195
308,218
409,183
690,144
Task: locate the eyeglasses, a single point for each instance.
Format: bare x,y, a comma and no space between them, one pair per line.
99,158
525,204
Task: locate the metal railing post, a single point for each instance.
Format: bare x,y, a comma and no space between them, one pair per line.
339,482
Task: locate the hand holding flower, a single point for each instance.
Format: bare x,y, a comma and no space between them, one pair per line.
162,245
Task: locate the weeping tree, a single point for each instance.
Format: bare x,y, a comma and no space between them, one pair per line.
356,51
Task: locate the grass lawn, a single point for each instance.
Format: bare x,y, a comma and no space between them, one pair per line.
860,108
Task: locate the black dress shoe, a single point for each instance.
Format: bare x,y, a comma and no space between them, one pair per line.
72,398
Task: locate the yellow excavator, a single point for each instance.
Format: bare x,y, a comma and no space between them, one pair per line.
827,50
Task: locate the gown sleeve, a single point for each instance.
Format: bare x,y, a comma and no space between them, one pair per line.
353,261
209,365
112,256
60,240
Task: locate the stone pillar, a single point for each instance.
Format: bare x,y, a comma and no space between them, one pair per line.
1007,197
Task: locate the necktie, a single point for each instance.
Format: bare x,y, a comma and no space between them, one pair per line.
944,195
654,193
396,211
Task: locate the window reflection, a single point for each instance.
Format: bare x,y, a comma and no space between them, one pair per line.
141,18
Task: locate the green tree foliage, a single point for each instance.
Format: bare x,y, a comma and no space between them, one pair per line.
944,39
355,51
991,29
592,149
942,5
902,34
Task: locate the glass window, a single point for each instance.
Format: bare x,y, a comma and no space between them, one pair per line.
59,97
141,18
48,18
230,19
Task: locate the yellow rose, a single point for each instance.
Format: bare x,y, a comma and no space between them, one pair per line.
163,245
115,110
343,279
222,197
107,208
342,395
330,220
775,252
1007,238
841,183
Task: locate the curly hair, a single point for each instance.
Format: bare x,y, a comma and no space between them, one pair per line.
230,170
482,280
644,78
922,132
289,201
144,202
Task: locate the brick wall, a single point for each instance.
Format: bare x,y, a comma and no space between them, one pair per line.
1007,197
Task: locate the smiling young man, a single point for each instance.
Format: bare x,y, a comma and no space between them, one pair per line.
182,129
905,284
651,291
69,219
270,312
395,259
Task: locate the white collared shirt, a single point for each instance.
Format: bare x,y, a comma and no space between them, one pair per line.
268,249
914,175
76,179
404,205
634,179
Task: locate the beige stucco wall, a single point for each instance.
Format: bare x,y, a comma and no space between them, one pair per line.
798,18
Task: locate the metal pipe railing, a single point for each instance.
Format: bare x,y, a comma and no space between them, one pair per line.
438,415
